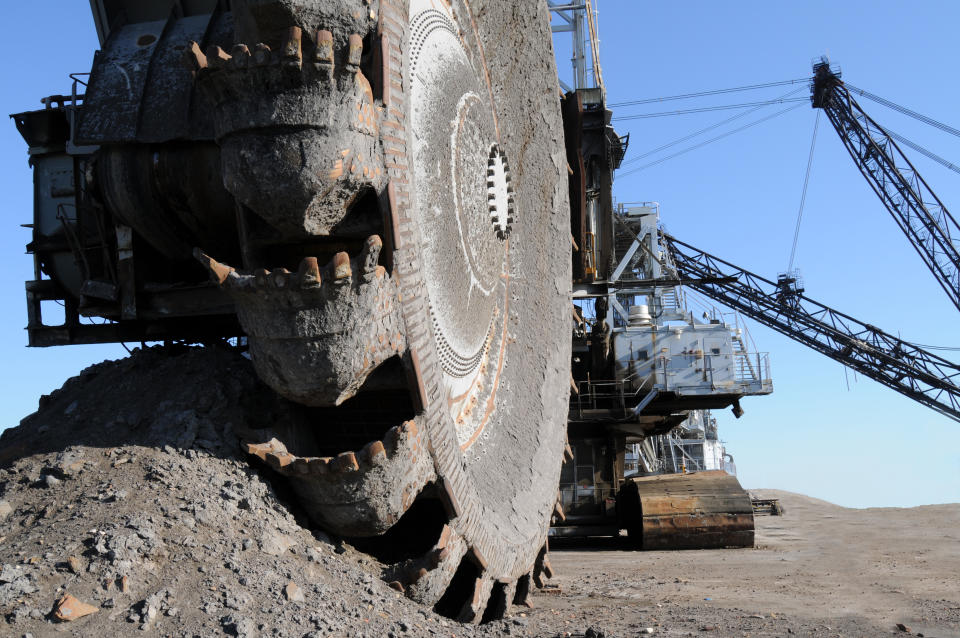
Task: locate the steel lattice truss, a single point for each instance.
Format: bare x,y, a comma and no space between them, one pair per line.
917,210
897,364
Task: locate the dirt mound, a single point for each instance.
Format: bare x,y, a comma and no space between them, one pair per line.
127,491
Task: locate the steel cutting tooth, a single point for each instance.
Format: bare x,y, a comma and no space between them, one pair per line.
217,57
370,255
218,272
521,594
262,54
503,599
240,56
354,53
308,274
341,267
293,48
195,58
280,278
541,568
425,579
323,56
359,493
558,513
472,611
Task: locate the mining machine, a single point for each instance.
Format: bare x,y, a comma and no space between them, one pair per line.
642,365
371,196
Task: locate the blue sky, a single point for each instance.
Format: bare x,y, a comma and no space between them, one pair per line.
736,198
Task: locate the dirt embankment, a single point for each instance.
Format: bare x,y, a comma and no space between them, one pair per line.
126,490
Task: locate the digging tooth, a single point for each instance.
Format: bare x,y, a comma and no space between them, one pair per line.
438,556
308,274
280,278
260,450
261,54
418,575
370,255
218,272
280,459
354,53
540,567
547,568
301,464
341,268
345,462
261,277
392,439
217,57
373,453
293,48
240,55
472,611
194,57
323,57
521,595
319,465
558,510
397,585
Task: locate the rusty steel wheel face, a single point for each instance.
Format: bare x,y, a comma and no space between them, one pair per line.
494,420
464,263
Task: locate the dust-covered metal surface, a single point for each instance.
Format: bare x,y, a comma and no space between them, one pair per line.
703,510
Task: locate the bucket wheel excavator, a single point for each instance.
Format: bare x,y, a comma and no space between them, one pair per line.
373,195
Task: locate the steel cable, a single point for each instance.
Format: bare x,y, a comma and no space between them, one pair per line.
707,109
803,195
936,158
633,160
709,141
686,96
902,109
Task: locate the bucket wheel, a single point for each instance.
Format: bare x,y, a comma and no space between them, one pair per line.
406,274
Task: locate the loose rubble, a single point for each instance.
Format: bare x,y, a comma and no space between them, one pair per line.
126,506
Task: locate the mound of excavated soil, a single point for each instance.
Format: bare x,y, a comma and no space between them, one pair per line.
126,491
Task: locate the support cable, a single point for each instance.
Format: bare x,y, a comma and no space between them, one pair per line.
707,109
902,109
633,160
685,96
936,158
709,141
803,195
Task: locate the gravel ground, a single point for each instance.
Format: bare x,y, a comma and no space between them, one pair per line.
126,491
819,570
126,509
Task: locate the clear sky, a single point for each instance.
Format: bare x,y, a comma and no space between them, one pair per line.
736,198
